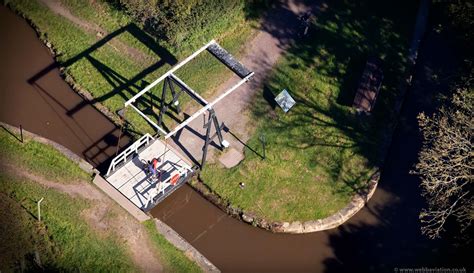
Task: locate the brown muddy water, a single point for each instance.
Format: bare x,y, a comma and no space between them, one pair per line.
383,236
33,95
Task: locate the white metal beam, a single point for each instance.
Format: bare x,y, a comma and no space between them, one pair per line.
148,119
208,106
150,86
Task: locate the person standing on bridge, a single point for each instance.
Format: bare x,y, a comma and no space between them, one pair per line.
153,167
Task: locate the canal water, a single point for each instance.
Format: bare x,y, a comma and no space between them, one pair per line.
383,236
34,95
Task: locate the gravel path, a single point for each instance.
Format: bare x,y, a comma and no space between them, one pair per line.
279,28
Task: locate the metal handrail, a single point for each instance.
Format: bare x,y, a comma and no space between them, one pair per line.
132,149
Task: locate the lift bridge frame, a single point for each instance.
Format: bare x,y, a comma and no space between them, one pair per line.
171,81
124,173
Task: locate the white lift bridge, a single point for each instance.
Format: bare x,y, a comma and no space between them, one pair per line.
127,172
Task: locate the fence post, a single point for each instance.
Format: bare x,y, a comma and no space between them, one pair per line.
39,209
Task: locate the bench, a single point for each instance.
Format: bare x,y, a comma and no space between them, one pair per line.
369,86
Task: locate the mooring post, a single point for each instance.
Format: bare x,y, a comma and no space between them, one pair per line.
21,133
39,209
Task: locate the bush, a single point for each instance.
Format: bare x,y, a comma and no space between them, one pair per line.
193,20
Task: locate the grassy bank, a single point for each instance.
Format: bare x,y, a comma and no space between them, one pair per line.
109,56
39,158
63,241
176,261
320,153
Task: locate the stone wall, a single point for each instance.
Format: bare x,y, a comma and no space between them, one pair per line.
101,183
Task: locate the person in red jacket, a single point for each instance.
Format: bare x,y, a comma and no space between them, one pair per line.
153,167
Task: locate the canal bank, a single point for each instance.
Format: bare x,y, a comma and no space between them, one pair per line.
41,108
382,236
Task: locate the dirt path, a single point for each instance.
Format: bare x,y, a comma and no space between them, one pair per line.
279,29
103,216
135,54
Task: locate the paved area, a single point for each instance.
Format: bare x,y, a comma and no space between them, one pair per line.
387,225
139,186
231,158
112,192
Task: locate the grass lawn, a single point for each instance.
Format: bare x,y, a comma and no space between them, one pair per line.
40,159
116,69
321,152
63,241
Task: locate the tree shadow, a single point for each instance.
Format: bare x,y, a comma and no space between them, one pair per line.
386,234
253,9
322,71
11,133
100,150
394,240
350,81
281,19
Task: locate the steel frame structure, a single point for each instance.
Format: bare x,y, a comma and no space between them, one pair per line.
170,81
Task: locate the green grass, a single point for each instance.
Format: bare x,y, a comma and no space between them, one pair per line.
320,153
174,260
112,75
63,240
39,158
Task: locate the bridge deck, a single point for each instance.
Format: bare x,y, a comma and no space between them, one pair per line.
138,186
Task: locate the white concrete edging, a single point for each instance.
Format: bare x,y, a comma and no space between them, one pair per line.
335,220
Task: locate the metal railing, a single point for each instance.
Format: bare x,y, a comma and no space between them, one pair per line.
165,188
131,150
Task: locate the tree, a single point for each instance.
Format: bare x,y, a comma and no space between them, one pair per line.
461,13
445,165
